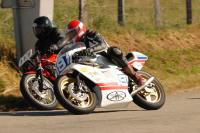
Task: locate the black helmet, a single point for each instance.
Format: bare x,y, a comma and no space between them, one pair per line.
42,27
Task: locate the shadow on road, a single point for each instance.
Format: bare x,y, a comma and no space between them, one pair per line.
13,103
113,111
194,98
56,112
36,113
17,106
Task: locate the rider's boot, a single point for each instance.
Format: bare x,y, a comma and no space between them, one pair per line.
138,79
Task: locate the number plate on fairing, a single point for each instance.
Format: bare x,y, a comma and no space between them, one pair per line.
25,57
62,62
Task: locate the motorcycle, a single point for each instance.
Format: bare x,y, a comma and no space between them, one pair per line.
86,82
36,84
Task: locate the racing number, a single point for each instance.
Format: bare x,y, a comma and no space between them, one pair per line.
25,57
63,62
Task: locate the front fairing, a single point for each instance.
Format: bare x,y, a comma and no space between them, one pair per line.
71,47
64,58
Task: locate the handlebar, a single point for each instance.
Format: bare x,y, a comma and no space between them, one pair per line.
83,59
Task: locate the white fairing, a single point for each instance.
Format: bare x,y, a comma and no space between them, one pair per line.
112,84
64,58
138,61
115,98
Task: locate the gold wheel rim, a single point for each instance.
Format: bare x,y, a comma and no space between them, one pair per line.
65,92
151,93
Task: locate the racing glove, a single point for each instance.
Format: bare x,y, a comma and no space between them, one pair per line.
76,55
85,52
53,48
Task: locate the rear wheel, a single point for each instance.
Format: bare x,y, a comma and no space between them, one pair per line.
29,88
151,97
77,101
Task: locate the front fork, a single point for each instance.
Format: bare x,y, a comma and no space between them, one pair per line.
143,86
40,77
79,84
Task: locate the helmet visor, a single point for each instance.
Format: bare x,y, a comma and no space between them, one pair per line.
71,34
41,31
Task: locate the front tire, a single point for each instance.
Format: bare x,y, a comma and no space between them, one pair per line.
45,100
75,102
151,97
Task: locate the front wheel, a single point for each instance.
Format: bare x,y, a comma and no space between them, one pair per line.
77,101
44,99
151,97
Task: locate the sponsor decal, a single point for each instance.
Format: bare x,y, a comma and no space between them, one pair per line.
116,96
123,79
142,58
84,69
93,74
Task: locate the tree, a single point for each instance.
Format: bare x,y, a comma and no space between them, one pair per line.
82,10
157,13
189,11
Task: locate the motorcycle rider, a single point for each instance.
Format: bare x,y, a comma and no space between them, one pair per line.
76,32
50,38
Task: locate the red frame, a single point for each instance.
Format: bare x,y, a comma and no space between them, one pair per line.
45,60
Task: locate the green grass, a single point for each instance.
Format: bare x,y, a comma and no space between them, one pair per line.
176,69
6,25
139,15
176,62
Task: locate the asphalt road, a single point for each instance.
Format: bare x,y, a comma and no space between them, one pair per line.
180,114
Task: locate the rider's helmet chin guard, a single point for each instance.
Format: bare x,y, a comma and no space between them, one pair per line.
75,30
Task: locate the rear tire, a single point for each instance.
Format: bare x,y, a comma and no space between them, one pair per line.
32,98
65,97
143,98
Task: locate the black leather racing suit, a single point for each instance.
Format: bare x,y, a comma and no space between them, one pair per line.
52,43
96,44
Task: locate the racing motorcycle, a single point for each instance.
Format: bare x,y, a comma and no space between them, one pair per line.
86,82
36,84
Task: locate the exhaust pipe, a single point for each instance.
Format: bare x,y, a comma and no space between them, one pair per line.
143,86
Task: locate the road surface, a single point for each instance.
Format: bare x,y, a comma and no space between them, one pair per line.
180,114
